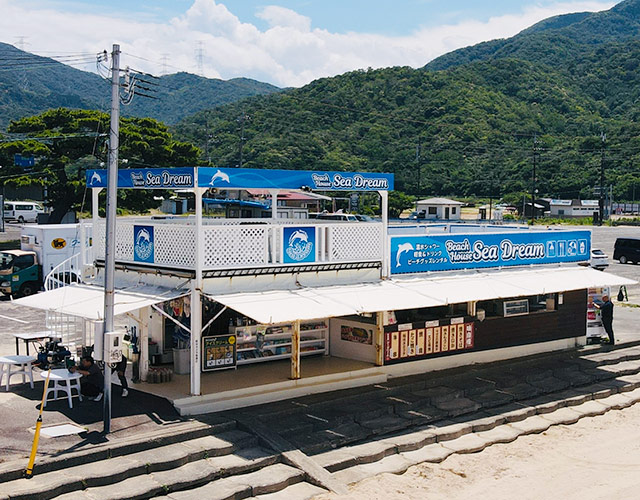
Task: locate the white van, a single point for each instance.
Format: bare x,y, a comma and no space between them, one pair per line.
22,211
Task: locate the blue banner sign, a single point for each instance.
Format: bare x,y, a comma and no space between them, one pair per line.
143,250
242,178
253,178
145,178
419,254
298,244
23,161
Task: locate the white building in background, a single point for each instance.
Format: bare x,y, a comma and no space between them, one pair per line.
573,208
439,209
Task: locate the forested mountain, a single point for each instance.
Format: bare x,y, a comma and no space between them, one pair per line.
30,84
469,129
554,41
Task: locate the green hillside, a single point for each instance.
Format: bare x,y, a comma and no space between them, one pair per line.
554,41
475,125
30,84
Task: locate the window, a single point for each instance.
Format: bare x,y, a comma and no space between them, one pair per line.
453,210
24,207
433,210
7,206
22,262
560,212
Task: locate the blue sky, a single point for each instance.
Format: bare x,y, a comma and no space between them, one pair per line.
284,42
391,17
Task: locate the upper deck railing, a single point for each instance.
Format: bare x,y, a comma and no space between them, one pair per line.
240,243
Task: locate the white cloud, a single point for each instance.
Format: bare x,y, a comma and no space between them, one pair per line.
283,17
287,53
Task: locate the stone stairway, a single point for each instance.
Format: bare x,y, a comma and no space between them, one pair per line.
231,464
348,435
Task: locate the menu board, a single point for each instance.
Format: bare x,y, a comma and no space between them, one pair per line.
219,352
422,340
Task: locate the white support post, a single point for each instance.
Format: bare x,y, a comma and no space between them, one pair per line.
196,301
95,205
275,230
143,333
83,246
384,209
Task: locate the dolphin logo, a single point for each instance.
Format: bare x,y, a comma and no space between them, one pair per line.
299,235
143,235
405,247
95,178
219,175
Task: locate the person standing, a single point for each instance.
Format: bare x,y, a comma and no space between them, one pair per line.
121,368
606,314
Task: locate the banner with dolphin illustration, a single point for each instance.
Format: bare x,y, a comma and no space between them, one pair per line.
242,178
446,252
254,178
145,178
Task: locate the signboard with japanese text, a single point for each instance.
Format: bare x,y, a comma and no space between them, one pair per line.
423,340
446,252
219,352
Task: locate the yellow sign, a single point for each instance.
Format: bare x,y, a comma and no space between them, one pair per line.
59,243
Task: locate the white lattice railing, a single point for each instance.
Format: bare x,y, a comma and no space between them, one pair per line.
242,243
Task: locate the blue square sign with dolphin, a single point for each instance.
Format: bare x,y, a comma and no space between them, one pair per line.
298,244
143,247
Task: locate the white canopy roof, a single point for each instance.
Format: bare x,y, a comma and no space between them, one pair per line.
87,301
283,306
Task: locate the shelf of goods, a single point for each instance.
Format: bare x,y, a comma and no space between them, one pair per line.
257,343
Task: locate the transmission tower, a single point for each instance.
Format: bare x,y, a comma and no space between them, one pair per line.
200,58
21,43
165,60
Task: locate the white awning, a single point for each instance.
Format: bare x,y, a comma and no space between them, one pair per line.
87,301
284,306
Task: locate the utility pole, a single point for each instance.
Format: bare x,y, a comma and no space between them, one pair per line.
533,180
603,138
243,118
418,151
110,243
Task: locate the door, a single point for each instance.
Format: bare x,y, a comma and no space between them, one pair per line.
446,213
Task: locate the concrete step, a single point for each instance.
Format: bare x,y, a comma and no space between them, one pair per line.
271,479
128,467
299,491
187,477
356,465
175,434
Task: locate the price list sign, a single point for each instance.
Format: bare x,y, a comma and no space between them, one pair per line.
422,340
219,352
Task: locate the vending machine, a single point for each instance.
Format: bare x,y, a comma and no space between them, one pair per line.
595,330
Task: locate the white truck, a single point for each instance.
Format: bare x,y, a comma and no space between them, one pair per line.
42,247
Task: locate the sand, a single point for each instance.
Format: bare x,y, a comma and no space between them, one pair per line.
596,458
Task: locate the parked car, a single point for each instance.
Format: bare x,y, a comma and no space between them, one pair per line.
599,260
627,250
22,211
337,216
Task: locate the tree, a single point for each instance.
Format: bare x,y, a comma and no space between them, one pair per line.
71,141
